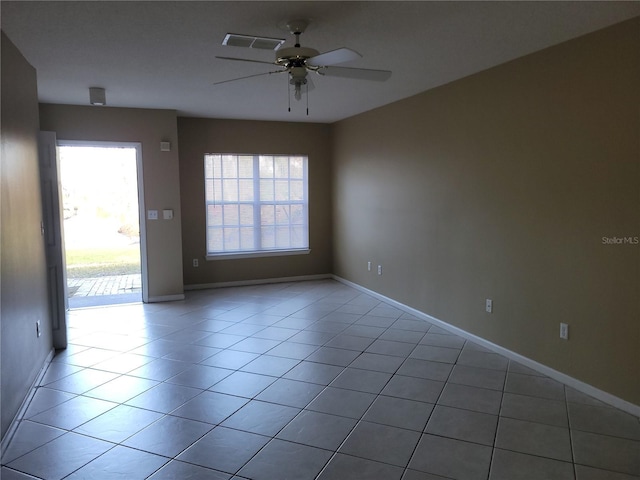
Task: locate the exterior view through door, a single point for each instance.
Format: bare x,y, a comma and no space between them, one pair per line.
101,224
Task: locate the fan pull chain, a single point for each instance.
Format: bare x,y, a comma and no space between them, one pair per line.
307,99
289,94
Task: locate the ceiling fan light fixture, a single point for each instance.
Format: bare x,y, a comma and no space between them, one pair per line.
248,41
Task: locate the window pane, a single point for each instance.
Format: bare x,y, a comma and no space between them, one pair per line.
247,239
296,169
231,216
230,190
266,167
282,214
208,190
266,190
297,190
231,238
229,166
298,236
215,240
246,190
246,214
217,166
268,237
281,190
245,166
267,215
297,214
281,167
282,237
214,215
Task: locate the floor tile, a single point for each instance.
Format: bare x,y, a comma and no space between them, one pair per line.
28,437
435,354
604,420
160,369
58,370
346,467
542,387
119,423
243,384
480,359
168,436
83,381
220,340
413,367
270,365
261,417
164,397
416,475
191,353
382,443
338,401
297,351
361,380
290,392
413,388
318,430
120,462
350,342
319,373
121,389
45,398
534,409
589,473
281,460
230,359
478,377
377,362
534,439
508,465
224,449
210,407
607,453
462,425
412,325
123,363
74,412
471,398
399,412
374,321
451,458
397,335
439,340
333,356
176,470
200,376
390,347
76,450
10,474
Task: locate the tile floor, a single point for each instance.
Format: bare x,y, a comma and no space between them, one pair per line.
303,381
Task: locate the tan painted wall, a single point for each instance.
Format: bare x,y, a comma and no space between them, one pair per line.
24,268
502,185
160,172
200,136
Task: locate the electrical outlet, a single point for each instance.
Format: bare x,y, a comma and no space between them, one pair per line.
564,331
369,266
488,306
379,269
38,331
195,262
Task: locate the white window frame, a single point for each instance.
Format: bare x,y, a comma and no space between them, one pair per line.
257,203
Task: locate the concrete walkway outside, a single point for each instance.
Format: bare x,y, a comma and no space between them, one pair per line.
108,290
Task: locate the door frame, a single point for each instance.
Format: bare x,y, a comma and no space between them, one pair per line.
144,274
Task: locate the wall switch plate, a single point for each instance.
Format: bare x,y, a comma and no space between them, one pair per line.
488,306
152,214
38,329
379,269
167,214
564,331
369,266
195,262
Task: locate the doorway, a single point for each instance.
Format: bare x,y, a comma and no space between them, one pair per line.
103,238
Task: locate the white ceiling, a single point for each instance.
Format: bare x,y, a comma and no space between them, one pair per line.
161,54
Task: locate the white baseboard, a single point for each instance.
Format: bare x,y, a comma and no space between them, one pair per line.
244,283
166,298
15,423
538,367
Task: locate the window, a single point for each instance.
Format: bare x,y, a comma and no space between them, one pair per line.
256,204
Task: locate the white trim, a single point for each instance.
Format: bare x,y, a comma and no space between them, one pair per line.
244,283
15,423
166,298
257,254
567,380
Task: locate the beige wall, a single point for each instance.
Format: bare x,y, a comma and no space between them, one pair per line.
502,185
200,136
160,172
24,287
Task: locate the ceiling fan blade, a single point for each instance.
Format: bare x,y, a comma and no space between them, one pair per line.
248,76
245,60
357,73
334,57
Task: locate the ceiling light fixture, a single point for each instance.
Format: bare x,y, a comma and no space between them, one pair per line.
97,96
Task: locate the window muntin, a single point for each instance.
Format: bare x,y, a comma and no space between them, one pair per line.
256,203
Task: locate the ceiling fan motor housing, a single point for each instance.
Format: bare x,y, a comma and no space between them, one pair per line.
292,55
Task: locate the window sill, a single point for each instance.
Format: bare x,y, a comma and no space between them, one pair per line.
264,253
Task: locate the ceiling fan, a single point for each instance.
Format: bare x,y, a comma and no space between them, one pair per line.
298,62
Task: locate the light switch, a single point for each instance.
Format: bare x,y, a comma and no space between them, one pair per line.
152,214
167,214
